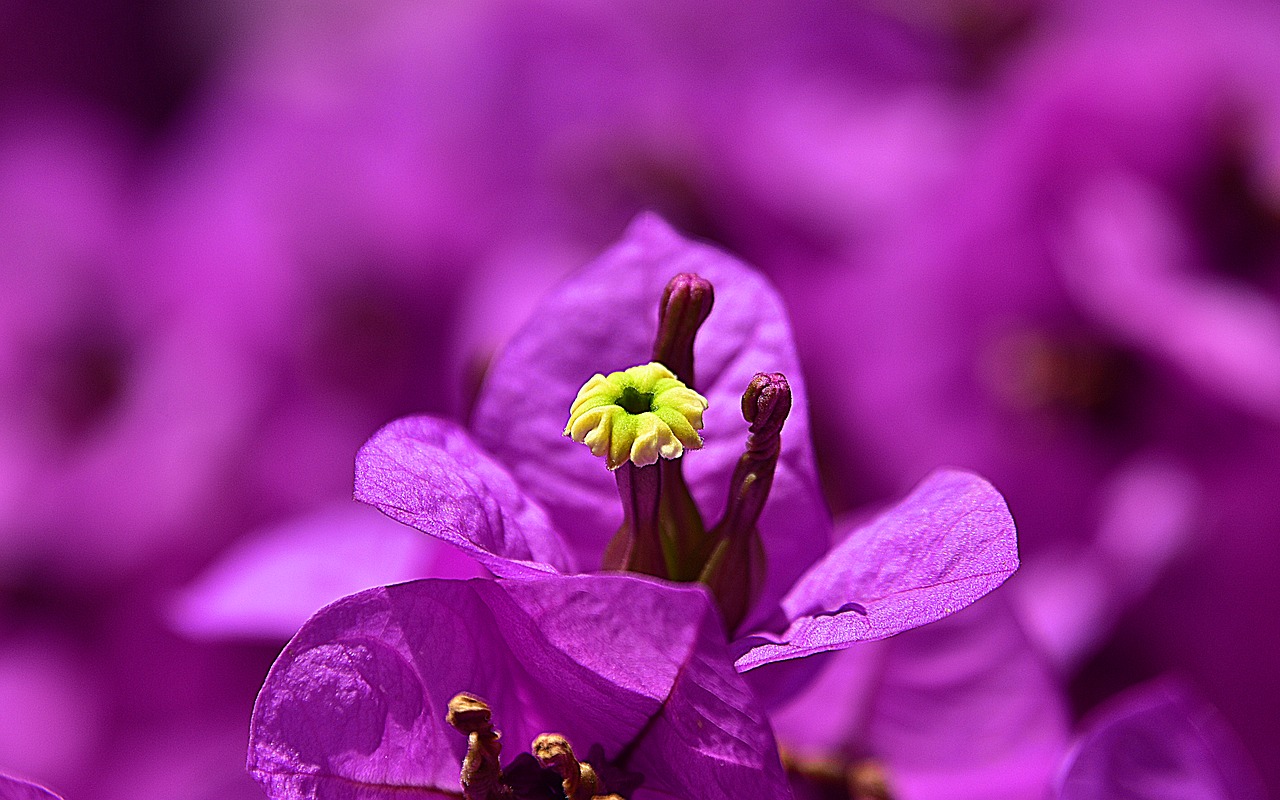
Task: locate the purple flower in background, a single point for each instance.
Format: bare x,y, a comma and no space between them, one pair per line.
633,675
962,708
771,131
1158,741
202,754
334,271
1091,322
56,710
267,585
14,789
116,415
959,363
120,414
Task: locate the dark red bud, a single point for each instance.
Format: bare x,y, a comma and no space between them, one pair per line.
686,304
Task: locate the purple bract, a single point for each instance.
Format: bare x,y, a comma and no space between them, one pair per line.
355,707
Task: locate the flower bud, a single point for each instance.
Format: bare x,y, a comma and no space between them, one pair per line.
686,304
482,766
580,781
735,569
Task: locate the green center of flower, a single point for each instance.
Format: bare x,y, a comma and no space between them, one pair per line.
635,402
638,415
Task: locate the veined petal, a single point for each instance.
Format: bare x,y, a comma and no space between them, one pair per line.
355,706
428,473
604,319
948,543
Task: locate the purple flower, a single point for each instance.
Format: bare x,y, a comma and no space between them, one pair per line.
333,268
634,675
267,585
14,789
962,708
114,424
955,542
1158,741
1090,321
535,502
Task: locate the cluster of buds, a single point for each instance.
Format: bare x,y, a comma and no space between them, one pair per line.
861,779
484,778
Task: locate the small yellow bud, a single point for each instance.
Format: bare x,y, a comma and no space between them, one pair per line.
637,415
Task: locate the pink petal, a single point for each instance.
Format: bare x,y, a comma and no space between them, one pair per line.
428,473
947,544
355,706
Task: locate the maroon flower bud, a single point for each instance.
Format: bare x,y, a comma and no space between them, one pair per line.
686,304
735,568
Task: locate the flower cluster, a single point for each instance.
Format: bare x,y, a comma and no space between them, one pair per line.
949,543
669,525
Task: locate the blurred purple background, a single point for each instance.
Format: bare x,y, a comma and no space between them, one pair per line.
1035,239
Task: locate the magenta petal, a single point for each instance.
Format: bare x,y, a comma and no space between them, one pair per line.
948,543
14,789
1159,742
1129,264
967,710
428,473
826,717
267,586
963,708
1072,599
355,706
604,318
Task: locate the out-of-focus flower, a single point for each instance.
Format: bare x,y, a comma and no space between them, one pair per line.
134,694
962,708
117,414
634,675
996,308
56,707
267,585
121,412
1091,321
328,269
202,752
1158,741
969,361
771,131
